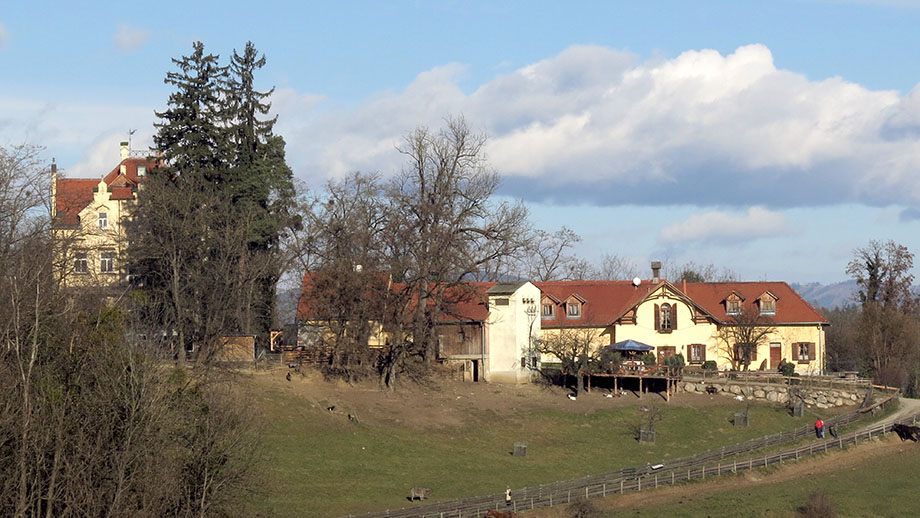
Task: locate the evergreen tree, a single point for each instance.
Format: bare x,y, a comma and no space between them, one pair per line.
262,188
192,142
206,232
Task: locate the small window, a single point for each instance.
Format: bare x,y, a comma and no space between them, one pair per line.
103,221
81,263
501,302
733,307
141,170
549,310
767,306
107,262
573,310
697,353
805,352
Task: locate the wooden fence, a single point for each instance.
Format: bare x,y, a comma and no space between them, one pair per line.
729,459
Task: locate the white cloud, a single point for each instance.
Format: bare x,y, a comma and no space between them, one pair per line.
716,226
83,136
130,38
591,124
4,35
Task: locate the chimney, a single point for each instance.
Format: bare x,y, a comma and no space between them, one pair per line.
125,150
53,189
684,286
656,272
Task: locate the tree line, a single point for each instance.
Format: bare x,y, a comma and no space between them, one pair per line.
879,334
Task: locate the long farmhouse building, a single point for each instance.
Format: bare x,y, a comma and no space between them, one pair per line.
491,334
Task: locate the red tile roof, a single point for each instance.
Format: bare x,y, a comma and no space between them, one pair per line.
75,194
791,308
605,301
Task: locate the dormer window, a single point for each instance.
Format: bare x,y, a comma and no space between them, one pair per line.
767,304
103,221
141,170
549,310
733,304
573,310
573,306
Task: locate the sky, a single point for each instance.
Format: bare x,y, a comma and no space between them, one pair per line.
769,138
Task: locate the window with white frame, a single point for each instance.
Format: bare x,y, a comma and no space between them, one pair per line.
103,221
804,352
733,306
107,262
81,262
549,310
573,309
697,353
767,305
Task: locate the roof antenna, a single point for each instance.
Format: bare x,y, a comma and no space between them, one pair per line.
130,134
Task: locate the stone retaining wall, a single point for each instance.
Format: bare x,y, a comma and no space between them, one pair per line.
819,397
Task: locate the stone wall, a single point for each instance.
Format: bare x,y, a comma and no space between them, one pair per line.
819,397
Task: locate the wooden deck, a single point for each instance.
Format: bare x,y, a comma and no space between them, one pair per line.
643,373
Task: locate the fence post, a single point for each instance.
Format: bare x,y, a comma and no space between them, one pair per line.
604,491
656,480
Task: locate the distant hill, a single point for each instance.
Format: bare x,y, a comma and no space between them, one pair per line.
828,296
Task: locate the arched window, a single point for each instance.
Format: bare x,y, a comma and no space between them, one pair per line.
666,317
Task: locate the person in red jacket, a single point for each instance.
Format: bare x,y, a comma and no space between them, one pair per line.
819,428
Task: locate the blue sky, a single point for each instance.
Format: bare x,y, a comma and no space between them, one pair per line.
770,138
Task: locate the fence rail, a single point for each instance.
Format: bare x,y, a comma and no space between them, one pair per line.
729,459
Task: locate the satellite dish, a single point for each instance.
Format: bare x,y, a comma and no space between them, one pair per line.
637,281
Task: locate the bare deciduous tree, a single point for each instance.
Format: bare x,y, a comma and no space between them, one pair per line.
742,335
551,259
443,225
576,350
612,267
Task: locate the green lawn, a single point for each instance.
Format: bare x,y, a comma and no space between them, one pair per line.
877,487
318,464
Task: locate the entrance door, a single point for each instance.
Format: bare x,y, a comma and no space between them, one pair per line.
475,370
776,355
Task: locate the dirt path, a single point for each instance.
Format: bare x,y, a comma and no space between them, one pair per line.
906,408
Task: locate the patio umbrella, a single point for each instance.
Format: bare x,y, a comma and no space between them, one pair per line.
631,345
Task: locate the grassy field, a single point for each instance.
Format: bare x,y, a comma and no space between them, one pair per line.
317,463
871,481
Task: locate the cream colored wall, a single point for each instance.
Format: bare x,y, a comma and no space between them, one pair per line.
91,239
509,329
687,332
684,334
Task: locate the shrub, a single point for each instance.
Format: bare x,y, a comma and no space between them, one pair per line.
583,508
676,360
787,368
648,359
709,365
819,505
